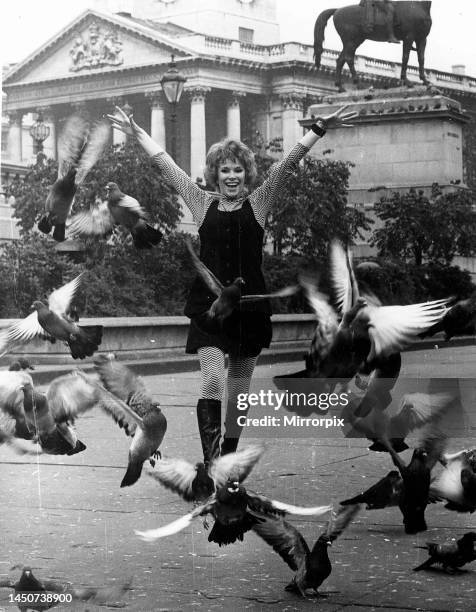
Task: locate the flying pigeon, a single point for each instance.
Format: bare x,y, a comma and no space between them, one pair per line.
457,482
235,511
383,494
126,398
53,323
367,332
195,483
460,320
119,209
451,554
28,583
78,151
312,567
228,298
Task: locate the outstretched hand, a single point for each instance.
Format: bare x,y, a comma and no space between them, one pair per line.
123,122
338,119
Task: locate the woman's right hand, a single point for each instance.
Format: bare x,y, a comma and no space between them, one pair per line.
123,122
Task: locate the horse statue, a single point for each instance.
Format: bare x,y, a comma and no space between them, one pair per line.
412,24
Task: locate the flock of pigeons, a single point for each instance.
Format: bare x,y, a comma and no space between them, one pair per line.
358,339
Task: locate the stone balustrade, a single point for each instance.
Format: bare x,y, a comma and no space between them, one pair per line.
143,337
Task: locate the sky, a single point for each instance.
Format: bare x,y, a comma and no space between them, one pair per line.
27,24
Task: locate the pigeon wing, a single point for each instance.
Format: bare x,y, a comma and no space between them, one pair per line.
284,539
119,379
340,520
175,526
97,141
327,324
417,410
392,328
60,299
176,475
236,466
207,275
263,505
70,143
284,292
70,396
97,221
23,331
342,277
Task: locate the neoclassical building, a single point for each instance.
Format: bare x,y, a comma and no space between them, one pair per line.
240,78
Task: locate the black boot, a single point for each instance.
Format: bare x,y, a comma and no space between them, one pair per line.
233,431
209,426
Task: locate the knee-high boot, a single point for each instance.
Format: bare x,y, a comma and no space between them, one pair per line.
233,431
209,426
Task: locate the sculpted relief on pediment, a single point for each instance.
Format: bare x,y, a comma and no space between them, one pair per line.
96,47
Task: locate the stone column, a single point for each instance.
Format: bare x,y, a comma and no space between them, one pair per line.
233,117
118,137
198,140
50,144
14,136
292,106
157,117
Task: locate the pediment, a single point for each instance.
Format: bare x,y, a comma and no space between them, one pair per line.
95,43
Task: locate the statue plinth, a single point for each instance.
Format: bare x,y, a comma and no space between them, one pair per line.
401,138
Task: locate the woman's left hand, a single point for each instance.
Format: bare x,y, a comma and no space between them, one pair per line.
337,119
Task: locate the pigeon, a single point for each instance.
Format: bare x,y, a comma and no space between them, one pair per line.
451,554
383,494
312,567
415,411
457,482
367,332
416,478
460,320
78,151
228,298
119,209
20,364
28,583
196,483
126,398
235,511
53,323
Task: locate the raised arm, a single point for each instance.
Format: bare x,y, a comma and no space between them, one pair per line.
194,197
264,196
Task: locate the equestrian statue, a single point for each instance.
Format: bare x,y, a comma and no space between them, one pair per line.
382,20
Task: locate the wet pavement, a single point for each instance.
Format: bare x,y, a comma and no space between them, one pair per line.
69,520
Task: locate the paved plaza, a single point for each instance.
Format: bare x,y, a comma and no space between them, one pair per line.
69,520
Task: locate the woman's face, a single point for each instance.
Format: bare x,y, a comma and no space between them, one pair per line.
231,179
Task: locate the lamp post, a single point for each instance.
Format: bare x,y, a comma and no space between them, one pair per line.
39,131
172,85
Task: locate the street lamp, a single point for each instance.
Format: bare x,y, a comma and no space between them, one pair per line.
172,85
39,131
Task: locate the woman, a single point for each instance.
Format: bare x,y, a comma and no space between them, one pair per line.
230,224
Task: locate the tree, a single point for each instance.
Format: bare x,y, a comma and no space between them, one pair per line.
128,166
312,208
419,228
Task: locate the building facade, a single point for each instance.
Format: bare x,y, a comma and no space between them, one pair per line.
240,83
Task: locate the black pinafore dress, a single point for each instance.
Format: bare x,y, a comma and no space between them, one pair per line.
231,246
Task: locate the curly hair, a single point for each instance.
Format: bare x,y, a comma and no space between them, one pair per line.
235,151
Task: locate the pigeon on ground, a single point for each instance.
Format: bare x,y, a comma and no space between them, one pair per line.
312,567
367,332
460,320
28,583
53,323
196,483
125,397
416,477
235,511
451,554
383,494
78,151
228,298
119,209
457,482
